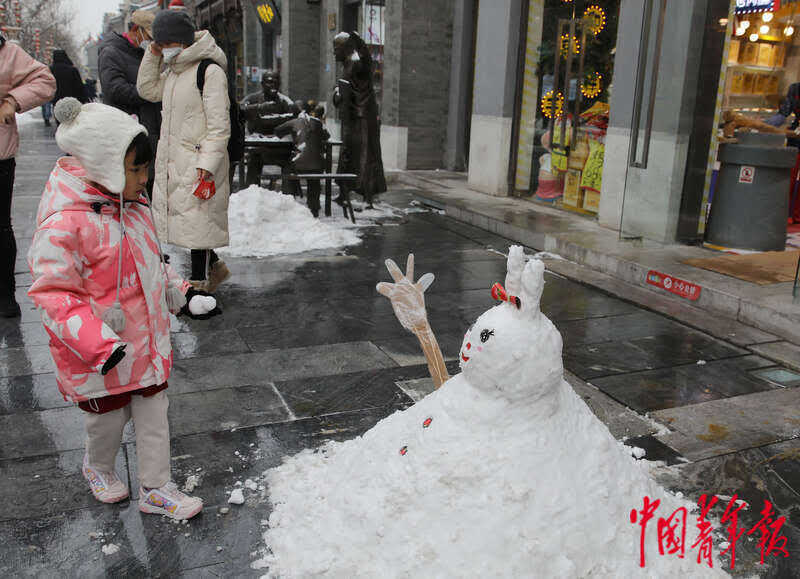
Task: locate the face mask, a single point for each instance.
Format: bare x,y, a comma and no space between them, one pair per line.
171,53
145,44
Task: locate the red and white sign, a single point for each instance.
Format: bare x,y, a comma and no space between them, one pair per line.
677,286
746,174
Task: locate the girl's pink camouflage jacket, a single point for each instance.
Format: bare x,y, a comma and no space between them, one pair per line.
73,259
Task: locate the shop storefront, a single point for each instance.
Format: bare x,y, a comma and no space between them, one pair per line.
563,109
757,92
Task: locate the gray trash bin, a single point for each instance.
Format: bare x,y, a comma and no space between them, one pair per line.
751,201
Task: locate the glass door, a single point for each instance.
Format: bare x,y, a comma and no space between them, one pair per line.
567,66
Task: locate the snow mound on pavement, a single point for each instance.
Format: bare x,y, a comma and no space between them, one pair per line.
264,222
502,472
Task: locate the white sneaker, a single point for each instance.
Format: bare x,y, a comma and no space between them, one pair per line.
169,501
106,486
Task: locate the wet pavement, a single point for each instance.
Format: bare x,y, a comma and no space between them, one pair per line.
306,351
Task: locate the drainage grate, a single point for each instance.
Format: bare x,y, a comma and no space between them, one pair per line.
780,376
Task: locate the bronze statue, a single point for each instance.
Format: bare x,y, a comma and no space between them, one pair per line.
354,96
263,111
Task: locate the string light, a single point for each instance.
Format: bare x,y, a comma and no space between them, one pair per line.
591,88
745,24
788,31
565,44
753,37
764,29
740,31
547,105
595,19
766,16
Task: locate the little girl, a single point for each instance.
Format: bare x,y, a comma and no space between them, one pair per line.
105,296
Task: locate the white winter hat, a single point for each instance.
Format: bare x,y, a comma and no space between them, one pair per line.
98,136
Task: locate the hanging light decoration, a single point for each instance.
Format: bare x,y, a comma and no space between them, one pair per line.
745,24
788,31
753,37
740,31
565,44
590,88
547,105
764,29
766,16
595,19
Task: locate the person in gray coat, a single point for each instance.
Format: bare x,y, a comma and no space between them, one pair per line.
119,57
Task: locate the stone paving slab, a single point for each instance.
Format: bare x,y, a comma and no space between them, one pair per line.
679,386
50,484
342,393
187,345
28,393
591,361
784,353
728,425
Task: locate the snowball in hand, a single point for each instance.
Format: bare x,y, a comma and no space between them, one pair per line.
200,305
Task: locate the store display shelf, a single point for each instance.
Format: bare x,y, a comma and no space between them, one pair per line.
752,95
756,68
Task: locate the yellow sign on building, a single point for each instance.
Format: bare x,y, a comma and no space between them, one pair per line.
266,13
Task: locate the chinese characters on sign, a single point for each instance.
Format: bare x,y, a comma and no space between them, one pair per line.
677,286
671,532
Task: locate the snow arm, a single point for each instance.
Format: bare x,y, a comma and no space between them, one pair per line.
408,302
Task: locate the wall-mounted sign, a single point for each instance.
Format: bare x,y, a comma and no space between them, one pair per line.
268,14
677,286
750,6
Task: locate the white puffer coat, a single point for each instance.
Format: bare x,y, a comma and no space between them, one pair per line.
194,134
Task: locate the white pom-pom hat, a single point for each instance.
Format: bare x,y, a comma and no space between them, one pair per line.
98,136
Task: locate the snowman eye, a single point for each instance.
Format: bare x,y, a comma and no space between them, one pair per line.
486,334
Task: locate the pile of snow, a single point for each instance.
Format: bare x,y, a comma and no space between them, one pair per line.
264,222
503,471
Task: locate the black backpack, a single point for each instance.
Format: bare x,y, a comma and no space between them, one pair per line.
236,140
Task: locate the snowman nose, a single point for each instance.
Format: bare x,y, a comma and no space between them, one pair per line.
469,345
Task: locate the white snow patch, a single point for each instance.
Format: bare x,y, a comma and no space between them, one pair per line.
192,482
502,470
637,452
251,484
110,549
236,498
701,362
264,222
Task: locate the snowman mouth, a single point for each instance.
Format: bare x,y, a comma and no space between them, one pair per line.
465,358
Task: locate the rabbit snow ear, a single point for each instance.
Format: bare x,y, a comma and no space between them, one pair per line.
532,285
515,265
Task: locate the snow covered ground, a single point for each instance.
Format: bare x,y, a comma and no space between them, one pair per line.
264,222
502,472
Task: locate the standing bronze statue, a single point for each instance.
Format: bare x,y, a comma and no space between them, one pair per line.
264,110
354,96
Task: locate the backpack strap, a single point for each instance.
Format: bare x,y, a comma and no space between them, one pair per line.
201,73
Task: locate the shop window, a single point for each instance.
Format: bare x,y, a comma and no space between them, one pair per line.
568,64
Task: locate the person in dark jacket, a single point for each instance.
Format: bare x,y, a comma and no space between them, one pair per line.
791,106
68,80
309,136
358,110
119,57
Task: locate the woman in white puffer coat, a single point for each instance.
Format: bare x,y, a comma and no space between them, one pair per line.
194,138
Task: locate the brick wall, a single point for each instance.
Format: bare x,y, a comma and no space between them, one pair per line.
301,55
422,85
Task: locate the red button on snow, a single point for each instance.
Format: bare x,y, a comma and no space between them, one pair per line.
427,422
